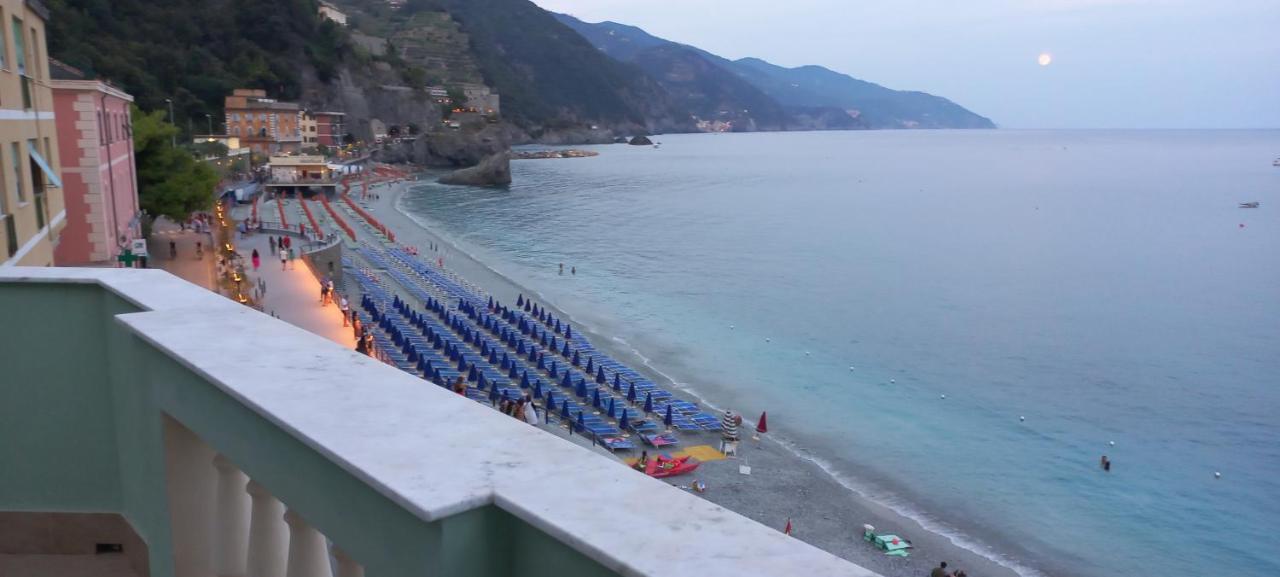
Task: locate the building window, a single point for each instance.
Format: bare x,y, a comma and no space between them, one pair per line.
37,184
19,47
102,127
35,53
4,44
17,171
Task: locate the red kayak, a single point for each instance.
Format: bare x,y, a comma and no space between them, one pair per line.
663,467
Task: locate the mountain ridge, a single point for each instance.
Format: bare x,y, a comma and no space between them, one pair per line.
803,90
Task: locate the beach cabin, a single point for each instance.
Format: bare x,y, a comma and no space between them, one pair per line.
301,174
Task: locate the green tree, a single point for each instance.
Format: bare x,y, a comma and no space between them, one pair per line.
171,182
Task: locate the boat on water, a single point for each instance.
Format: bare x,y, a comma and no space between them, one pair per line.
1254,204
1275,162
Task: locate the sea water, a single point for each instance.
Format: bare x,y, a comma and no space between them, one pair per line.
1064,290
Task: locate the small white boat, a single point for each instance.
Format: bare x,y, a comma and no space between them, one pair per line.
1254,204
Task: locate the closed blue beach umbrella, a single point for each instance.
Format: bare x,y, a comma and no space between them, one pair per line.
520,347
493,394
577,359
527,306
564,409
490,303
566,383
553,346
520,301
542,363
533,354
581,390
631,393
558,329
600,380
595,399
413,355
582,421
482,383
462,364
591,365
667,419
565,351
622,421
537,389
551,399
544,340
512,374
474,374
617,381
484,348
568,332
648,403
611,408
493,356
524,380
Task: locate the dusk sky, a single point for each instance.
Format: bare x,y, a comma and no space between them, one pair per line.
1114,63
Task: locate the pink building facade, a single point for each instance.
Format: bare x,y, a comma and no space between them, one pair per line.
95,140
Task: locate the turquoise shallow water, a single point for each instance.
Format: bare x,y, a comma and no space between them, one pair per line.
1099,284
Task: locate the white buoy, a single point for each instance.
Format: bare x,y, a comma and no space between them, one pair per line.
731,327
944,396
768,340
1022,418
806,353
893,380
851,369
1217,475
1112,443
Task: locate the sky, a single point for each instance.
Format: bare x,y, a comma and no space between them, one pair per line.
1114,63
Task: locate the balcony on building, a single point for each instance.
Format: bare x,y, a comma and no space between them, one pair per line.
156,429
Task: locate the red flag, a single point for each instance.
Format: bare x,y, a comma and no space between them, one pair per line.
787,530
763,425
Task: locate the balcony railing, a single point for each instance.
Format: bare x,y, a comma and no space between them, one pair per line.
237,444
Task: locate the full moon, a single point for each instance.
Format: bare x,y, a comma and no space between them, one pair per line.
1045,59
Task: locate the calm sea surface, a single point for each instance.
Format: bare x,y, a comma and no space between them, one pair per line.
1103,285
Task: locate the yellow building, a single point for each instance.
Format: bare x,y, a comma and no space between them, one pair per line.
31,204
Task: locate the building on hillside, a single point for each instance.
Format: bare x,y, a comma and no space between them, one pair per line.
481,100
263,124
331,12
330,128
100,183
308,128
32,213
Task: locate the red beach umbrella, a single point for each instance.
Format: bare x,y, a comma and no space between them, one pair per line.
763,425
787,529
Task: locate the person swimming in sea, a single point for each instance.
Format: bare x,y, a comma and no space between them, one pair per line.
1106,464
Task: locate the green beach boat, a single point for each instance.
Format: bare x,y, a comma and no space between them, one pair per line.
889,543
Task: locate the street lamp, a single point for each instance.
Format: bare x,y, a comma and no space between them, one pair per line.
173,139
209,117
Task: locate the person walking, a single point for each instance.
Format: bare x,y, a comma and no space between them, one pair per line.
257,261
460,386
173,249
361,346
284,259
291,264
324,294
344,307
939,571
271,242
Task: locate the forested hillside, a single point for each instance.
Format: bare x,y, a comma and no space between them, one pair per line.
195,51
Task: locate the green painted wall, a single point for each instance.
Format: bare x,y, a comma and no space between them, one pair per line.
82,403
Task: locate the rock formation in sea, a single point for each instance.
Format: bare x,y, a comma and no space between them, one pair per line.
494,170
641,141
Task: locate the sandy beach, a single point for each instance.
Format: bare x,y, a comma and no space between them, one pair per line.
781,485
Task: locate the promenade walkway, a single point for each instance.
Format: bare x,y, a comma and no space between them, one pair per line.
186,265
294,294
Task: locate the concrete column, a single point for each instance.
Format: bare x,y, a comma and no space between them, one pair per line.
231,530
192,486
347,567
308,550
268,535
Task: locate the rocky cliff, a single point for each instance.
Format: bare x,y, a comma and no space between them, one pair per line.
494,170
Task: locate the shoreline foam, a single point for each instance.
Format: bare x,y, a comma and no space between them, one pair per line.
934,539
